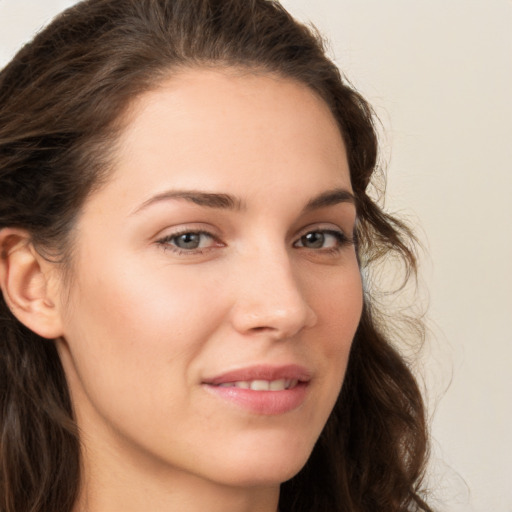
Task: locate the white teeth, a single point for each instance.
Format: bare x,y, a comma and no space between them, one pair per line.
262,385
277,385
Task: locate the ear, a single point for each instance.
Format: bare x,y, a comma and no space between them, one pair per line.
27,281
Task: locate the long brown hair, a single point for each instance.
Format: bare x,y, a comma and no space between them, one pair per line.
61,98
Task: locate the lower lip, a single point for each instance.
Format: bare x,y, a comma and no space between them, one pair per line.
270,403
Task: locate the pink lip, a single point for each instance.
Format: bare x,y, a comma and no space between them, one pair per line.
262,372
262,402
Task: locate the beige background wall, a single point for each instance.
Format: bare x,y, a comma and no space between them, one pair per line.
439,74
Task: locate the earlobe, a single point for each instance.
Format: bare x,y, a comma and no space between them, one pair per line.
24,280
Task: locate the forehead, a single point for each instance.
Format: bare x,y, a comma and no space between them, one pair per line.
240,130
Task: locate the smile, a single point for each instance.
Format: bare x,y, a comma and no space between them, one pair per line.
262,389
262,385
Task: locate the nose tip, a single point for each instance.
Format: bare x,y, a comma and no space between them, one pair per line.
272,302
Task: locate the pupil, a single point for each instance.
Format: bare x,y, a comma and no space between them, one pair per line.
313,240
188,241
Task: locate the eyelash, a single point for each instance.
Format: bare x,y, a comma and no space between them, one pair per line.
167,242
341,240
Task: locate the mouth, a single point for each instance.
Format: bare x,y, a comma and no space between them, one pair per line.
262,385
262,377
263,390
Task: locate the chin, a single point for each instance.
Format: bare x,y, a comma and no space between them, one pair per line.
257,477
264,465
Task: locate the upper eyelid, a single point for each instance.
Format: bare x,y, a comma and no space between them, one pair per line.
172,231
336,233
321,226
187,231
166,243
171,236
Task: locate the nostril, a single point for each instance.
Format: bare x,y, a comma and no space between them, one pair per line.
260,329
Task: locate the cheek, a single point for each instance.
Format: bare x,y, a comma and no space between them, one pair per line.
132,339
125,296
131,326
338,303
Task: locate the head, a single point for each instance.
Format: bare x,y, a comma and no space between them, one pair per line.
83,108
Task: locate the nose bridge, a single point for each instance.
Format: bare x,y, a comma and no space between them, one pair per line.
270,297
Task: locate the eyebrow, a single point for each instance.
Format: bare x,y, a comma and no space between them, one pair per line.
330,198
229,202
208,199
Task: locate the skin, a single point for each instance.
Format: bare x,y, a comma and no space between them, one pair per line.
144,323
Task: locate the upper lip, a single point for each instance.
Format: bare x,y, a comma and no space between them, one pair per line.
262,372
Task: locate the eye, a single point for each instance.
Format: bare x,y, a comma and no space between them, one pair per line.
188,241
322,239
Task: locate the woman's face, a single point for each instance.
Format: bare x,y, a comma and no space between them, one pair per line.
215,289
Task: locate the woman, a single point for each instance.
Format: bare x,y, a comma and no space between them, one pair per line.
184,223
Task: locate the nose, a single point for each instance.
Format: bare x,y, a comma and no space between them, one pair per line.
269,298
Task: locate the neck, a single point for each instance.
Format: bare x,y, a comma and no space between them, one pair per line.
121,499
113,485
